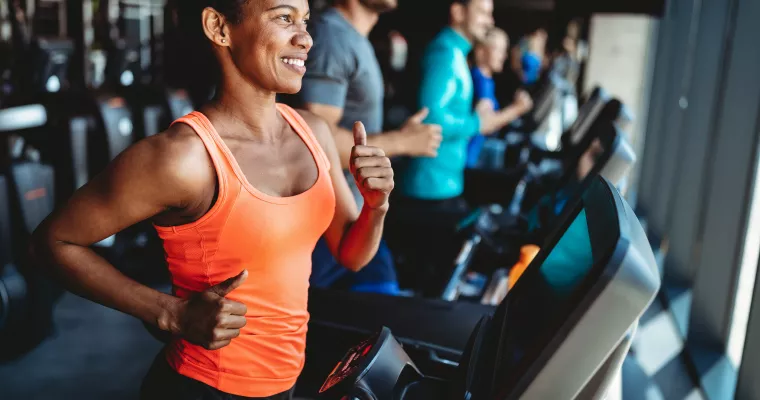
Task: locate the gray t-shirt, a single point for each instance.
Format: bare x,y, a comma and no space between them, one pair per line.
342,71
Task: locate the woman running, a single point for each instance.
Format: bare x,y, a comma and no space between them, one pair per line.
239,192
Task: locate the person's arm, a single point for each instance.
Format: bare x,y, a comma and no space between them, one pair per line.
437,91
522,104
353,237
147,179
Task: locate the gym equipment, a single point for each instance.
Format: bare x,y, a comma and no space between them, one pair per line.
26,293
39,38
577,305
550,171
12,284
40,79
135,50
496,241
521,161
425,252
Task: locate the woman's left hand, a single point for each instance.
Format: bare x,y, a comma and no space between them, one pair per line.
372,171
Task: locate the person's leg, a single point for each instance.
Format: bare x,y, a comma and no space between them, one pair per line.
424,233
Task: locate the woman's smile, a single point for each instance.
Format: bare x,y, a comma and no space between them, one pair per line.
295,63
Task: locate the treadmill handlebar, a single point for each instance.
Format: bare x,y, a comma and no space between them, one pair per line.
451,292
22,117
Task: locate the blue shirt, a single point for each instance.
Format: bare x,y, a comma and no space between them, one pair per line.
446,90
484,88
531,65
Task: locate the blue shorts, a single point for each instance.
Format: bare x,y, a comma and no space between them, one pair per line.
379,276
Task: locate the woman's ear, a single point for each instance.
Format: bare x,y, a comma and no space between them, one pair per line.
215,27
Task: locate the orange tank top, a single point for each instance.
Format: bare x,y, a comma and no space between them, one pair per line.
273,238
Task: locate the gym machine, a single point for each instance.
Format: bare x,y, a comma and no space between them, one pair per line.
424,253
133,37
511,159
493,246
27,296
577,305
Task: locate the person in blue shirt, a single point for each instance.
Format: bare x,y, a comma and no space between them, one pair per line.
489,57
446,90
528,58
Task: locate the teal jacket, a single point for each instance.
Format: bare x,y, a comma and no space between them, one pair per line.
446,90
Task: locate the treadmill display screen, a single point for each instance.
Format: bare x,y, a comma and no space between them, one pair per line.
349,364
541,301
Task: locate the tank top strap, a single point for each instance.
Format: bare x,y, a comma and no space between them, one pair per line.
203,128
304,131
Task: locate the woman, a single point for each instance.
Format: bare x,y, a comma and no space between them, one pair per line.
239,193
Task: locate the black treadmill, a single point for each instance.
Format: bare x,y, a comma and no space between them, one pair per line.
494,244
559,334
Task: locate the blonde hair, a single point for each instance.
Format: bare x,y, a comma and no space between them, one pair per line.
493,32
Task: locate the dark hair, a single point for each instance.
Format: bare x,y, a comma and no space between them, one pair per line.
189,12
231,9
206,70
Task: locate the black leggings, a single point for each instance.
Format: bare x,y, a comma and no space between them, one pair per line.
164,383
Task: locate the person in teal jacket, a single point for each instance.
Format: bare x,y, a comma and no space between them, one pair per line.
447,92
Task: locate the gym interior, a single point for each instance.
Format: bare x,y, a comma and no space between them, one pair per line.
612,252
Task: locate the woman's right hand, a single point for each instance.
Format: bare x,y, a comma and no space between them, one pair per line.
210,320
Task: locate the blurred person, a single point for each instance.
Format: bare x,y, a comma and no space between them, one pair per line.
489,57
344,83
528,57
569,54
239,193
436,184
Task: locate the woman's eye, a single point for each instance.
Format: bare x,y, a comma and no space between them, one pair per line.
286,18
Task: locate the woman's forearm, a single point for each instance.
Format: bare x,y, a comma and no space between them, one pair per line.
362,239
85,273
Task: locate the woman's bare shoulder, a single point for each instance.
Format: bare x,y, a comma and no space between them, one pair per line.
319,127
176,159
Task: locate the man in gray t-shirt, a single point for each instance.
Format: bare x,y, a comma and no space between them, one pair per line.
344,84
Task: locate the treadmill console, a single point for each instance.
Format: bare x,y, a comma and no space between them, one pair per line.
374,369
356,359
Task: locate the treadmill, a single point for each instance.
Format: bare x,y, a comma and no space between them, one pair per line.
561,332
521,157
492,244
490,239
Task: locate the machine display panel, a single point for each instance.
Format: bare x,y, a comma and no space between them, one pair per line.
541,307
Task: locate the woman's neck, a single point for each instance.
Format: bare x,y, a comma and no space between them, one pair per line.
247,110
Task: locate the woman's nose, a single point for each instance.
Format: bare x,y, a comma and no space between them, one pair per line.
303,40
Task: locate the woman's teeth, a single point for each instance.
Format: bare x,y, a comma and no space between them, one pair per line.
293,61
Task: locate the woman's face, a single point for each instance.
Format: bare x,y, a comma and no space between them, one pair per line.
270,44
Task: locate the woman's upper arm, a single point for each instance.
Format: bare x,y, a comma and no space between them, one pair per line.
143,181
